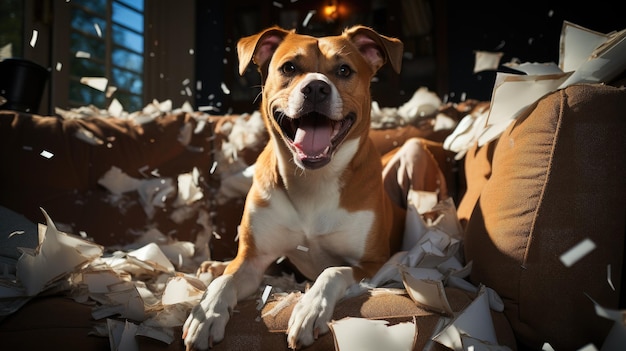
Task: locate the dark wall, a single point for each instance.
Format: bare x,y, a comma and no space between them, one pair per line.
527,30
210,52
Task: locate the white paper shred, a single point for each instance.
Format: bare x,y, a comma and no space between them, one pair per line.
360,334
428,293
33,38
98,83
82,54
115,108
57,255
153,255
181,289
609,279
225,88
98,30
308,17
577,252
46,154
475,321
484,60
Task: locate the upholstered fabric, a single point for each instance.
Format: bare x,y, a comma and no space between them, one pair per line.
477,170
558,178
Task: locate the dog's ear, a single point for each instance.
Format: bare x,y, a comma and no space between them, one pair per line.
259,48
376,48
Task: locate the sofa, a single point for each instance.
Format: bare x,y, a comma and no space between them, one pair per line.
553,179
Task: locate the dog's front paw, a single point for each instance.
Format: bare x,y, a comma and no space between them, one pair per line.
207,321
309,319
216,268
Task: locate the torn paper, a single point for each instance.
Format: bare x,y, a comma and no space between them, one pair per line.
577,252
182,289
475,320
360,334
98,83
427,293
513,93
57,255
486,61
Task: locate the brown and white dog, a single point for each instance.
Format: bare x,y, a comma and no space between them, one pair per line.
317,195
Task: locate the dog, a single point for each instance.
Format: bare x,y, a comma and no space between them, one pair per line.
317,195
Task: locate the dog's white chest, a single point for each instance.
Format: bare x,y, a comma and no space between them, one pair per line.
312,229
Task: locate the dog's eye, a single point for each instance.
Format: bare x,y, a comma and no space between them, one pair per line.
288,68
344,71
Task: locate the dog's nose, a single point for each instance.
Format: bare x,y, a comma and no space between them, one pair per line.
316,91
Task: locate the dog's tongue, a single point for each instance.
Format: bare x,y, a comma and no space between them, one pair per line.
313,136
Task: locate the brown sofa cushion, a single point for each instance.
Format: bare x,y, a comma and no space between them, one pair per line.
558,177
477,169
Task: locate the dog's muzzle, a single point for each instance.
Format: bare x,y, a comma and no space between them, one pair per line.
312,134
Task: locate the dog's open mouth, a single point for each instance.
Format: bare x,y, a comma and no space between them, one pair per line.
314,136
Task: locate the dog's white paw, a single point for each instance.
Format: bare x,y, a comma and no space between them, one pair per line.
207,321
309,319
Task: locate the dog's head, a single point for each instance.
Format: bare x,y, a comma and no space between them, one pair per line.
316,91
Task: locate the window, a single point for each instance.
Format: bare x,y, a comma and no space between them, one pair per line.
11,24
107,41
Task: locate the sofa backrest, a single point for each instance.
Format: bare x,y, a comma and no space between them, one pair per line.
558,178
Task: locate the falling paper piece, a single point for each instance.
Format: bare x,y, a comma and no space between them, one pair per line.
485,60
360,334
82,54
98,30
46,154
608,276
308,17
577,252
225,89
98,83
57,255
33,39
475,321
